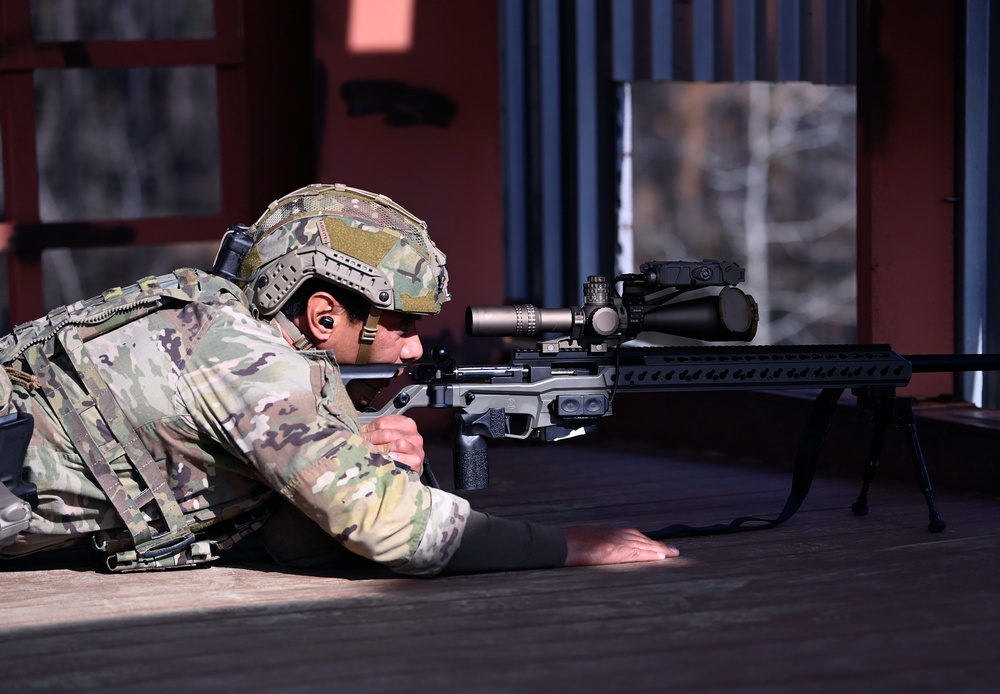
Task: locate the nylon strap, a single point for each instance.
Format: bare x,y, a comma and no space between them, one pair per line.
136,452
299,340
802,476
368,334
96,455
89,439
93,454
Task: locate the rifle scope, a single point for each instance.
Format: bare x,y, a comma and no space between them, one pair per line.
730,315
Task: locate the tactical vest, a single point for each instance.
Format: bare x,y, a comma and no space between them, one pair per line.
171,539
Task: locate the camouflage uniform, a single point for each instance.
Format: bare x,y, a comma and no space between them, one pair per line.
230,414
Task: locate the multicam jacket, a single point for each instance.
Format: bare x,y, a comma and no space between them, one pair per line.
218,413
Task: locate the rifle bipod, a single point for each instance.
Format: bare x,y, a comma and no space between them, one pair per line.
886,408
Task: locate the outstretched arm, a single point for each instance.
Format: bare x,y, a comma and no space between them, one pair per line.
397,436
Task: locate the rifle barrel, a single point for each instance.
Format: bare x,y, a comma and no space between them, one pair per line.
927,363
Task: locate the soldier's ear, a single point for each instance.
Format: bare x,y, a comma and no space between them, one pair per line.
320,317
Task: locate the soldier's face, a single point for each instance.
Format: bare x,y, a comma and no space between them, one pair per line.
396,341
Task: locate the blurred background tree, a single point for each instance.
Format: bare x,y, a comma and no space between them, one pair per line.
759,173
123,143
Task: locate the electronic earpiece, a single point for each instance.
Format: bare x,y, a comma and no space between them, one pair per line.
326,322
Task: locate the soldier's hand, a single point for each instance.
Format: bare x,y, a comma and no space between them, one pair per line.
396,436
594,545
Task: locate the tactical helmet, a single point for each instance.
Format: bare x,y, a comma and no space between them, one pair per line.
358,240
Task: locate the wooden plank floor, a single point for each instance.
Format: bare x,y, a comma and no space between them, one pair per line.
827,602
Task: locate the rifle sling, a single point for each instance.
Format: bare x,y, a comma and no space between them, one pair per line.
802,476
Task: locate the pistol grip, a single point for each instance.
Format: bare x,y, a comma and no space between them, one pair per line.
469,453
471,461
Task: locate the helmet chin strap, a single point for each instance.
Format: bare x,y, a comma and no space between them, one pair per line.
361,392
368,333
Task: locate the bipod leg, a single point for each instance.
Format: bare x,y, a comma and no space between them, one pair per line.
883,415
906,420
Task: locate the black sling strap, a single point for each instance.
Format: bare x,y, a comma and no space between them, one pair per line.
802,476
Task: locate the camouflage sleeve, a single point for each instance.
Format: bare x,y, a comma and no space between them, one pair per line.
287,414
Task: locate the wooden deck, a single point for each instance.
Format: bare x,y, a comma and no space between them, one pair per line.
827,602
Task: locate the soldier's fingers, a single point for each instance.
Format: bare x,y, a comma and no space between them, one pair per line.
638,540
589,546
405,439
391,421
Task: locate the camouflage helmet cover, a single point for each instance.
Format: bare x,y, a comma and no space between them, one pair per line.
352,238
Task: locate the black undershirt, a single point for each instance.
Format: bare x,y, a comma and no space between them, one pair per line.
491,543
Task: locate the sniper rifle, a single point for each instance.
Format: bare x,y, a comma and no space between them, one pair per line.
565,385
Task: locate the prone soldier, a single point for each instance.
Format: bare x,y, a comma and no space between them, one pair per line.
177,415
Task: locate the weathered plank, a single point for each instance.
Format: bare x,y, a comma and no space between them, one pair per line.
826,602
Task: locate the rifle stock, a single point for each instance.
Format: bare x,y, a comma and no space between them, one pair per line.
558,394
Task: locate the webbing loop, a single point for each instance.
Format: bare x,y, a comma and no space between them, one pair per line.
99,439
808,452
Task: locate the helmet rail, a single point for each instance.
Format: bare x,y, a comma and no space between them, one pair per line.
276,282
